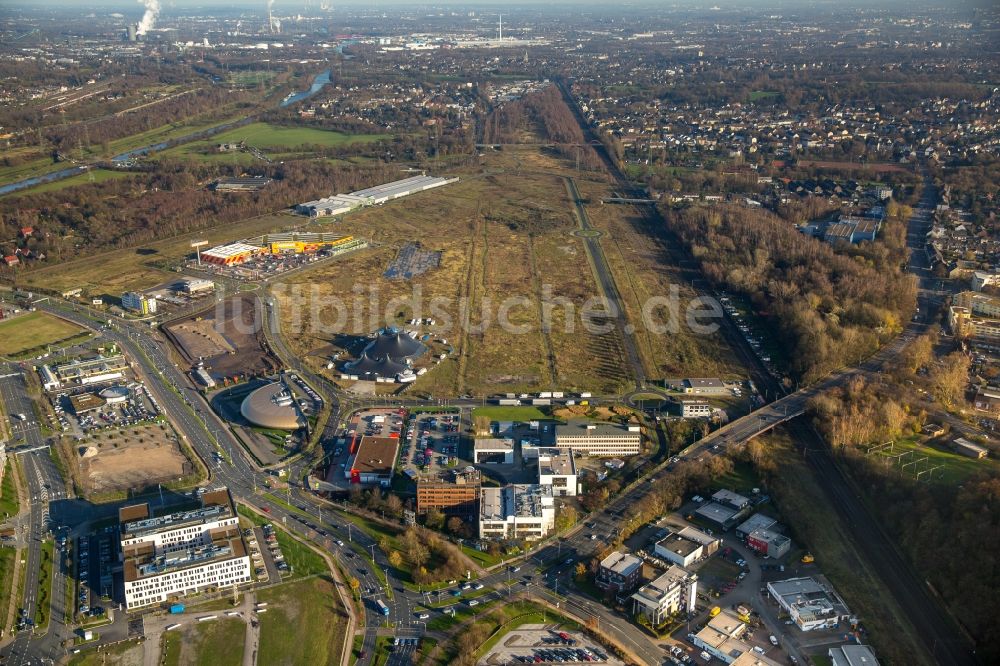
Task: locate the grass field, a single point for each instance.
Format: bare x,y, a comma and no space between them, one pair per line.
303,625
303,560
122,654
98,175
38,164
275,139
219,642
757,95
954,468
34,330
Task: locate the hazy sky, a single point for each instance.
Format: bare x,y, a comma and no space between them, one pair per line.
289,5
282,6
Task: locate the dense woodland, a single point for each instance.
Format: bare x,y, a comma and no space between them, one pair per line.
826,307
952,535
130,211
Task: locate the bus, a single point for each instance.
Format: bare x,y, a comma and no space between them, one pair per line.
382,607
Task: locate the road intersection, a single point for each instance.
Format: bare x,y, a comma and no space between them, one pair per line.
208,435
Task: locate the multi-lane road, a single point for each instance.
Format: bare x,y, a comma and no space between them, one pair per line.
207,434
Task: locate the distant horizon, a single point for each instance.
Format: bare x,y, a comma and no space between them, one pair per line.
168,6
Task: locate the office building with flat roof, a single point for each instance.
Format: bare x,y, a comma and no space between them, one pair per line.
556,468
768,542
852,655
599,439
679,550
676,591
757,521
809,603
493,450
619,572
453,493
520,511
170,556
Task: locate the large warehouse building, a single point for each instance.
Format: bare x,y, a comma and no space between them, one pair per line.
171,556
84,372
339,204
227,255
373,462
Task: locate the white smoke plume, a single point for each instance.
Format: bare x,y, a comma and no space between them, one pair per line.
149,17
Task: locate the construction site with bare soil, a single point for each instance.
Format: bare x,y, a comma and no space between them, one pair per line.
109,463
228,339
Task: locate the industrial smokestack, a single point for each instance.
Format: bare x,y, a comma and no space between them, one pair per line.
149,16
130,32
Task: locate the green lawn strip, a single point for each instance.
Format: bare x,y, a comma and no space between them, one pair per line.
498,413
91,176
302,559
115,654
303,624
356,646
170,650
382,652
433,410
481,556
463,612
7,558
271,137
69,582
9,505
44,597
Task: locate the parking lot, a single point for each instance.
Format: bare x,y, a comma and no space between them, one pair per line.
124,405
96,556
430,442
363,423
539,644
